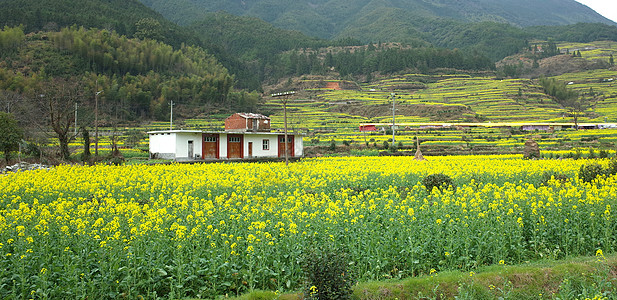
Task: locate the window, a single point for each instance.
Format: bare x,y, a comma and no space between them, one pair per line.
210,139
234,139
266,144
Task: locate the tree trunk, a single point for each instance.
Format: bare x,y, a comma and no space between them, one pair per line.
64,146
86,155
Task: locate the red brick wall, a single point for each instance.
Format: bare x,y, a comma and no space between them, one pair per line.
235,122
263,126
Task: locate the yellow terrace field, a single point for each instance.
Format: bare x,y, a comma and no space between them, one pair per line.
204,230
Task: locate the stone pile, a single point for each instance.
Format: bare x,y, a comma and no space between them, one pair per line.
24,166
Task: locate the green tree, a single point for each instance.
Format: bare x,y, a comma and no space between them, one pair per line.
566,97
611,60
10,135
149,28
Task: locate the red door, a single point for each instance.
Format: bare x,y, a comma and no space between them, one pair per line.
235,147
210,145
290,146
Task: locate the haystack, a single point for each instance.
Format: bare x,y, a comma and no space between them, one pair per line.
532,149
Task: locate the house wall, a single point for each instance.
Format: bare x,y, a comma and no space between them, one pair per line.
263,125
298,146
162,145
257,141
182,148
236,122
223,146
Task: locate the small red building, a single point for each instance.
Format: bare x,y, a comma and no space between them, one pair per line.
247,122
368,127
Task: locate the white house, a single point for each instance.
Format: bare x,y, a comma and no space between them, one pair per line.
236,142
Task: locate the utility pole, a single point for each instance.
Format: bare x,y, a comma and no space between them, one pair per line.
285,97
96,119
393,95
75,119
171,115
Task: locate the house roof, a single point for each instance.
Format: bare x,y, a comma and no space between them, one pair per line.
252,116
174,131
225,132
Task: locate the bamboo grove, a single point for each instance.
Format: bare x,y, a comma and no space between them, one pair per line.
137,78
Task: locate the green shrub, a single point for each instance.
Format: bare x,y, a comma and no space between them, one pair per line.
29,148
612,167
332,146
588,173
547,175
439,180
592,153
386,145
327,277
603,154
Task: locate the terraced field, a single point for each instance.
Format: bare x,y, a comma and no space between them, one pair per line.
329,115
595,50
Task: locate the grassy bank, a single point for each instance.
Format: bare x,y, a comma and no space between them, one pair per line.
573,278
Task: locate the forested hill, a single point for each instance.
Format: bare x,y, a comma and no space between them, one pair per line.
337,18
251,37
125,17
121,16
138,79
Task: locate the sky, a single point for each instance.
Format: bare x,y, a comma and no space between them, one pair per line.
607,8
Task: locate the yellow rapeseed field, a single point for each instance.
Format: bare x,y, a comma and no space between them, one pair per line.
203,230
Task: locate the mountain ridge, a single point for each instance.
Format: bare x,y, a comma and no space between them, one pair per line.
329,18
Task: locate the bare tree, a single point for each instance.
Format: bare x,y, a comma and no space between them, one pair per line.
8,100
54,102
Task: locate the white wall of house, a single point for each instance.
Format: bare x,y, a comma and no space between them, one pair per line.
174,144
298,146
163,145
182,144
258,149
223,146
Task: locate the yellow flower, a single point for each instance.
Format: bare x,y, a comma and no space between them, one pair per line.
600,255
313,290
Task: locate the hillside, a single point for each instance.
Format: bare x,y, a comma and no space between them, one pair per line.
130,18
137,78
116,15
251,37
336,18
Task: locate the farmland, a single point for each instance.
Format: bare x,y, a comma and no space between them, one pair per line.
213,229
